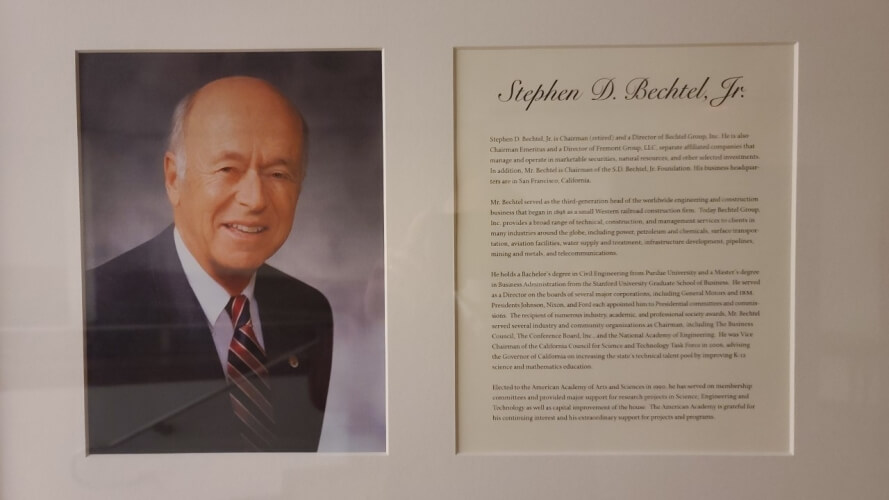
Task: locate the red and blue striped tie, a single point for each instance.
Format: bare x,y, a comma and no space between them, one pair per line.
249,388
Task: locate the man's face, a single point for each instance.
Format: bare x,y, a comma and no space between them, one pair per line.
235,203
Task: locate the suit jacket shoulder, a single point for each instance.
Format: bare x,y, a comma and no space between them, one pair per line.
138,306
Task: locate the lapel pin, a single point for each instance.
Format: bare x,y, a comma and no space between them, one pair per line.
294,361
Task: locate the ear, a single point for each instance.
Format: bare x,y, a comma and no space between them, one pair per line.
171,178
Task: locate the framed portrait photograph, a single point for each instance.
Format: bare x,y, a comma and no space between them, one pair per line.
232,231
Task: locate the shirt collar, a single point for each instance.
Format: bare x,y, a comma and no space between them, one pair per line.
210,294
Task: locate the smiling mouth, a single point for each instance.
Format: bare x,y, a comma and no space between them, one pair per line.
246,229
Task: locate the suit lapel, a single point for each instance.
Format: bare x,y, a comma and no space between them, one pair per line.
286,330
189,338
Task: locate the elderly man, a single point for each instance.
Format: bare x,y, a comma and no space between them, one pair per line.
193,343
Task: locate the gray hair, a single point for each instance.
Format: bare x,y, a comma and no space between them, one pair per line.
176,139
177,131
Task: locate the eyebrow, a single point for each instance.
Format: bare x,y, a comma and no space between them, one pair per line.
276,162
234,155
229,155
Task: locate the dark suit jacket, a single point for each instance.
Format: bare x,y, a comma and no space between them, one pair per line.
154,381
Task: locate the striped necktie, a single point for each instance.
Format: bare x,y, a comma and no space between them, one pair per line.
248,378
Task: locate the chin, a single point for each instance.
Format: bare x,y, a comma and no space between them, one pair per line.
235,267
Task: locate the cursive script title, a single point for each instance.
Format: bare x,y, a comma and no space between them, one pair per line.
635,89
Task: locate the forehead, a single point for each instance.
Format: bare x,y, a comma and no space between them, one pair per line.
241,108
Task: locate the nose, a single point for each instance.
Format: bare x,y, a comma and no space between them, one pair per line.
251,192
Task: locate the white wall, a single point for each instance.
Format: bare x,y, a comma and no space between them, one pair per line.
842,343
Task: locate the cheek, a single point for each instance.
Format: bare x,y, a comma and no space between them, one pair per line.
285,202
208,200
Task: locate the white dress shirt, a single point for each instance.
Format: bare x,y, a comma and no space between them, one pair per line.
213,299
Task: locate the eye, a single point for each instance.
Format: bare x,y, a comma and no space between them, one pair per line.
280,174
